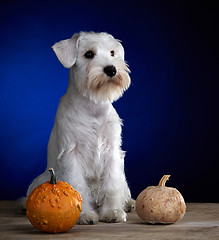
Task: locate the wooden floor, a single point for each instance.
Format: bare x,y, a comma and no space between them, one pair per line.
201,222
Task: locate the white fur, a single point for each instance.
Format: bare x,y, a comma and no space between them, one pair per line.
85,143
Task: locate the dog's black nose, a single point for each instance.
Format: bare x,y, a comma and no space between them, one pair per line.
110,71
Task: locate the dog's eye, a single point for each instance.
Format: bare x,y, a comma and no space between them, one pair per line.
112,53
89,54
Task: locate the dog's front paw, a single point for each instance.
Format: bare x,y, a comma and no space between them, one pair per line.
113,216
90,217
129,205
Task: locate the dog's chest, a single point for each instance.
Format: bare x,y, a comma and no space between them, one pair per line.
92,131
94,137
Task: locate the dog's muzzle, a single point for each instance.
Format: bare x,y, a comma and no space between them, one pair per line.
110,71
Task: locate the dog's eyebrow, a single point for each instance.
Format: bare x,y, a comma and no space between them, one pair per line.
92,46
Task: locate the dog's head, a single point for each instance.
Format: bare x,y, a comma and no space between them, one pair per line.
97,65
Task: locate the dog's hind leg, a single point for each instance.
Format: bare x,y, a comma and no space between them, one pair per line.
37,181
21,202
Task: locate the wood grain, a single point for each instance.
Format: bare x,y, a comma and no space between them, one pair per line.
201,222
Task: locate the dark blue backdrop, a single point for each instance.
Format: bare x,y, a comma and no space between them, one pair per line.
169,112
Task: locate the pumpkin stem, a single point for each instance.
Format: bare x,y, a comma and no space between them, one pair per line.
163,180
53,176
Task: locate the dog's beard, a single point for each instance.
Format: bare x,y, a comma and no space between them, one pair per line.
101,88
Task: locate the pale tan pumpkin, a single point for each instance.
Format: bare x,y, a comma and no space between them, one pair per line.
160,204
54,206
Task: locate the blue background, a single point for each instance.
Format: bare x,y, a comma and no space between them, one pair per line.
169,112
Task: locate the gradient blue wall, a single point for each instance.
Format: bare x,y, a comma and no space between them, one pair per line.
169,112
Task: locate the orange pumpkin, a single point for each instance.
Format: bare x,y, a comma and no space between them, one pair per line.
54,206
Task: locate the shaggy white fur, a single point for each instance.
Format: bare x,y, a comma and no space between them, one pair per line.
85,143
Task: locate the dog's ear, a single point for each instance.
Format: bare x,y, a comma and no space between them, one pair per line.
66,51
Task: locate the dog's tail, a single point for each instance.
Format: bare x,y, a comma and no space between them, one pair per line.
21,205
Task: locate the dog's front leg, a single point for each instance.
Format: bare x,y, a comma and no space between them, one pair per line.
113,189
71,168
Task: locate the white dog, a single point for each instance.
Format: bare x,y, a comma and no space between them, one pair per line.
84,146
